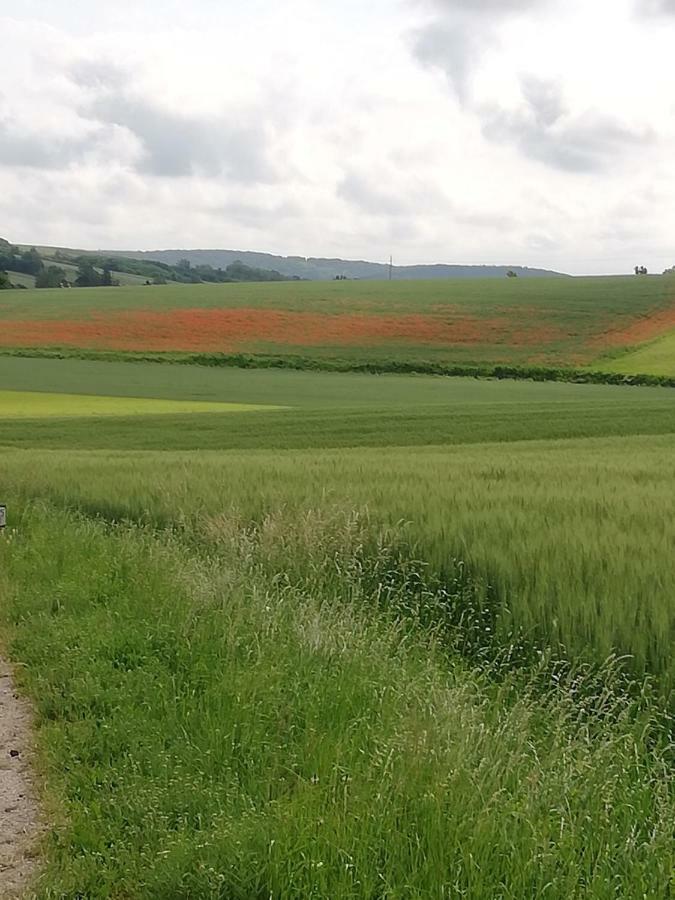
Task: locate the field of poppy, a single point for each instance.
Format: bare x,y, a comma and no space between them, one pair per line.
557,322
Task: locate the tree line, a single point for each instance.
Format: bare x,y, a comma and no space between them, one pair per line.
99,270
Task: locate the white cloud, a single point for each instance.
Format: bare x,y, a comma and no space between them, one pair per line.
461,32
543,129
656,7
438,130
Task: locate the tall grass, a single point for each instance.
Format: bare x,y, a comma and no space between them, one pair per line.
228,711
569,544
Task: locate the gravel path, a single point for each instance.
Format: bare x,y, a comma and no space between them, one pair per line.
19,812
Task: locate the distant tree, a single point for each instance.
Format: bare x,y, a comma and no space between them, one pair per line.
51,277
31,262
239,271
511,274
87,276
5,283
183,265
12,259
106,278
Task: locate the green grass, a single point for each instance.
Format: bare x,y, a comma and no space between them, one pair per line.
487,473
329,409
214,726
580,300
306,389
656,357
570,540
28,281
411,638
32,405
325,429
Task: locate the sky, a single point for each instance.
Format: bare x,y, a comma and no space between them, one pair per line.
515,132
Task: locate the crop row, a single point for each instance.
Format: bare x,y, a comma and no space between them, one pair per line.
570,542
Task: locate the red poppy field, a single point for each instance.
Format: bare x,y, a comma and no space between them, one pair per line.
229,330
556,322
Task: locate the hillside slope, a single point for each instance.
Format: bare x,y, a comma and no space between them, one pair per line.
655,357
551,322
325,269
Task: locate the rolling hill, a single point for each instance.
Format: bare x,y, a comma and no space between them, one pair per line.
325,269
428,326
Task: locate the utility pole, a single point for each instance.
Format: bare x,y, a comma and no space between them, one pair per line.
391,266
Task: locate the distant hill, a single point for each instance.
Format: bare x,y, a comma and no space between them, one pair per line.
44,267
319,269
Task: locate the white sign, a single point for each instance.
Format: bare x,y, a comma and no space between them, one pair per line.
3,516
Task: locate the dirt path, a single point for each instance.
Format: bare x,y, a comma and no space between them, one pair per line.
19,813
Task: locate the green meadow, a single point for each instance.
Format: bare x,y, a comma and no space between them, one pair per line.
321,410
580,300
36,405
405,636
657,357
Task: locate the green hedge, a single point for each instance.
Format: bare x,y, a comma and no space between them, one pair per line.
379,367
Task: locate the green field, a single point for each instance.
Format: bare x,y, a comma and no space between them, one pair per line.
656,357
406,636
580,300
71,270
20,278
34,405
28,281
524,322
325,409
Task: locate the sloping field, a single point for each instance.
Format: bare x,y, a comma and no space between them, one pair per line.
551,521
655,357
71,271
34,405
542,322
328,409
550,528
27,281
424,651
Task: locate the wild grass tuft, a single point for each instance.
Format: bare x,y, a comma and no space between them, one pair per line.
215,724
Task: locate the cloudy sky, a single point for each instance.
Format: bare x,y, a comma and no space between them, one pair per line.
534,132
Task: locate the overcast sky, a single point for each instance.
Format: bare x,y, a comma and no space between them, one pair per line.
533,132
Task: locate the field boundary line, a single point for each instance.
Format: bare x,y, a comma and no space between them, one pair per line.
385,367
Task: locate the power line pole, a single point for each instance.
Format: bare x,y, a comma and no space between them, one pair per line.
391,266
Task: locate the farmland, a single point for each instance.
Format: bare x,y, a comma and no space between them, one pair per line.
332,634
32,405
548,322
657,356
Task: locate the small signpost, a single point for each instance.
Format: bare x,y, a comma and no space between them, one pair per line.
3,516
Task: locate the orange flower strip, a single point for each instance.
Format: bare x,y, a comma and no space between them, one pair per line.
640,330
228,330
